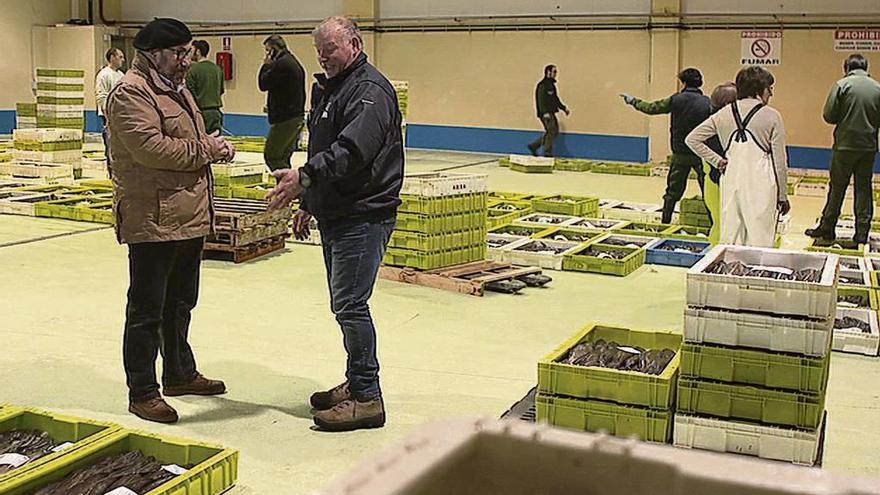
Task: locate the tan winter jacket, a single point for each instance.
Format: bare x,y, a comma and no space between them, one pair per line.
160,159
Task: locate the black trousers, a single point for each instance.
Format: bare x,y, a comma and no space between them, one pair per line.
858,165
551,132
163,290
680,167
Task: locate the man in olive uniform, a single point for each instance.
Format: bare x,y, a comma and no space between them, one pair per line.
205,81
689,108
853,105
548,104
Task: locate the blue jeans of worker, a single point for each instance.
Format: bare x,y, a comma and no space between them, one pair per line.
105,137
353,251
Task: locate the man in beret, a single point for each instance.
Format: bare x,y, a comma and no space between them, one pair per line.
161,171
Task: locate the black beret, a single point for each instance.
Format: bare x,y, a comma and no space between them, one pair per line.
162,33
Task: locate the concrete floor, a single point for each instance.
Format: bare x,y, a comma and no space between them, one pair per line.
266,329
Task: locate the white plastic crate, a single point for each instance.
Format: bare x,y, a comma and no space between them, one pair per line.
52,113
519,458
852,263
612,238
435,184
811,189
60,80
814,300
499,246
51,93
546,260
237,169
37,170
68,156
635,212
532,160
766,442
853,341
859,278
758,331
545,220
594,224
47,135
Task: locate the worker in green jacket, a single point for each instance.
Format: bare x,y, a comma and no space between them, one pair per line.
205,81
854,107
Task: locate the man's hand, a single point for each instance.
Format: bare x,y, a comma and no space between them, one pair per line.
784,207
567,112
301,230
547,116
287,190
227,149
268,58
628,99
722,165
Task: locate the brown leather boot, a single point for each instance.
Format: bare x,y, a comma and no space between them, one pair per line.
198,386
155,409
351,415
326,400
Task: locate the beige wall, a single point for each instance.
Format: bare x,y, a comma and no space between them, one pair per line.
809,68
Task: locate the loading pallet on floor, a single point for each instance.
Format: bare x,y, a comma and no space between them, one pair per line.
470,278
239,214
241,254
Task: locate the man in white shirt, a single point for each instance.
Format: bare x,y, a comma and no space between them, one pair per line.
106,80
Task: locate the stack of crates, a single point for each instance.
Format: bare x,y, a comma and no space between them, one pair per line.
694,212
231,176
594,398
43,153
856,328
754,365
402,90
441,223
26,115
60,98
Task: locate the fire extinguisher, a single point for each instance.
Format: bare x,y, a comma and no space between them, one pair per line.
224,60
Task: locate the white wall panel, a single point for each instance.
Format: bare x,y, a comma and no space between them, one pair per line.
230,10
782,6
390,9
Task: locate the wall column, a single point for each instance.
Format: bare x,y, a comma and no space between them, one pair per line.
366,13
665,60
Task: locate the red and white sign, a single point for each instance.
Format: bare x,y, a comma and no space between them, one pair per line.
227,43
761,48
857,40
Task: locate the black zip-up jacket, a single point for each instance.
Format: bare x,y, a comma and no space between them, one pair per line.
689,108
355,147
285,80
547,97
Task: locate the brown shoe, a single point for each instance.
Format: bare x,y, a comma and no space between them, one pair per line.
198,386
351,415
155,409
326,400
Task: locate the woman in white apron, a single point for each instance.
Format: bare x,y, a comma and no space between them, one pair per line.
755,173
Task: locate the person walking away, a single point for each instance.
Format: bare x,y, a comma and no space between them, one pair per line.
162,200
689,107
754,179
351,184
205,82
722,96
853,106
107,79
283,78
548,105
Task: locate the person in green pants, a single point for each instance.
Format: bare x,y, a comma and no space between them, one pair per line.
853,105
722,95
283,78
205,81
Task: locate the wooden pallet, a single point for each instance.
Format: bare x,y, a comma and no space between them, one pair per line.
240,254
249,235
239,214
469,278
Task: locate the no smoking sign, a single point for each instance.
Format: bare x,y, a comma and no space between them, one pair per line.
761,48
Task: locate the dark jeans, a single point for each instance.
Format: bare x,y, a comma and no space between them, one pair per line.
163,291
860,166
213,120
551,131
105,136
281,143
680,167
353,251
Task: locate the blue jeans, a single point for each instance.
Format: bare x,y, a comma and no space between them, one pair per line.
353,251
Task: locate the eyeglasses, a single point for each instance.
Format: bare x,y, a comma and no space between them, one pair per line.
183,53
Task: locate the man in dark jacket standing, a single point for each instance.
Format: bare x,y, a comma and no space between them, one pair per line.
283,77
351,184
853,105
161,171
689,108
548,104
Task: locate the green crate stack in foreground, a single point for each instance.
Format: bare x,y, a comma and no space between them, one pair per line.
754,400
624,403
440,226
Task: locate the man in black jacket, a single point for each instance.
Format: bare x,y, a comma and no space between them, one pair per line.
548,104
351,184
284,78
689,108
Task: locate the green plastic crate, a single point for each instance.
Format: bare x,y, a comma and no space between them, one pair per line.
636,169
868,296
51,100
769,406
694,205
254,191
593,415
241,180
510,196
835,250
497,218
622,387
752,367
605,168
213,469
792,184
50,72
434,243
430,261
560,204
649,229
523,230
439,224
47,145
531,169
572,165
99,210
694,219
444,205
222,192
581,262
504,162
689,233
61,428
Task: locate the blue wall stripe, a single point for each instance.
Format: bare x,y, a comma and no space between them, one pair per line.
488,140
